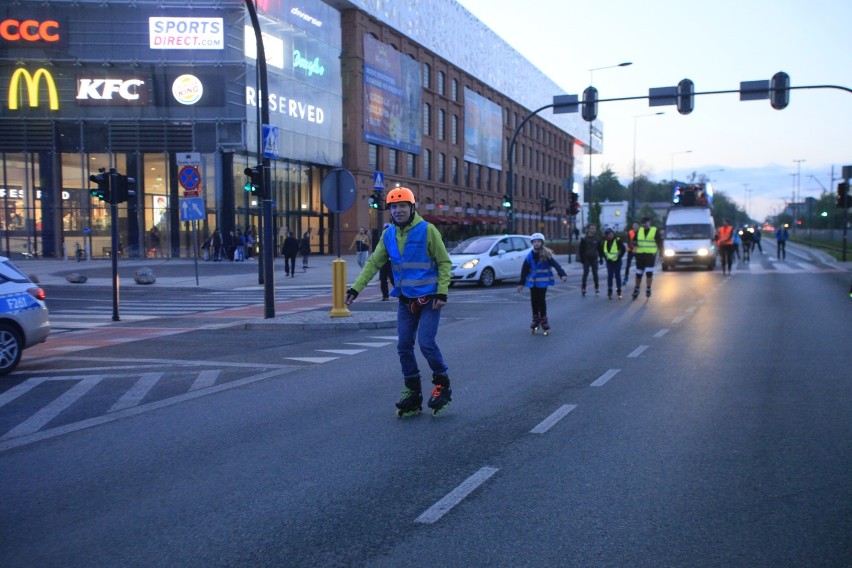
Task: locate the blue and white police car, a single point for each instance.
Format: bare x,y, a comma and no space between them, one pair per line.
24,320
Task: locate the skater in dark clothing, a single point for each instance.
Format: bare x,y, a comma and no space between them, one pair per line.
290,249
537,275
781,236
612,250
631,235
386,276
588,255
421,269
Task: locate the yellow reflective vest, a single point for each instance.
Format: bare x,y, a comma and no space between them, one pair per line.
646,241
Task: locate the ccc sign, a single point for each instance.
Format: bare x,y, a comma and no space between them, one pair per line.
30,30
31,82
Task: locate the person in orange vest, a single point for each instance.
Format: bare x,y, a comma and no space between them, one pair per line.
725,244
631,251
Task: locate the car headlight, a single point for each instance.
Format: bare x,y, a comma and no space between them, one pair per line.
669,252
703,252
470,264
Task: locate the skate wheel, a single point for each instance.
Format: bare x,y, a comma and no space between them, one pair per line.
436,411
408,413
547,332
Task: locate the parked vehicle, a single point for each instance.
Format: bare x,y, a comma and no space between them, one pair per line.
24,319
486,260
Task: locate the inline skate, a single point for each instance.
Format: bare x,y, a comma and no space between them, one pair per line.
442,394
411,402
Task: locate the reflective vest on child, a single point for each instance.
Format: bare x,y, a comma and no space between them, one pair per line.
415,274
541,274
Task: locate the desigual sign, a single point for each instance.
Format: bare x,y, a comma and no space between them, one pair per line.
30,31
117,91
31,82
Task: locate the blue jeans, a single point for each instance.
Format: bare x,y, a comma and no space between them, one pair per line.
424,326
613,271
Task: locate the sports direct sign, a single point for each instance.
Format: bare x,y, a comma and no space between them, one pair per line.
186,33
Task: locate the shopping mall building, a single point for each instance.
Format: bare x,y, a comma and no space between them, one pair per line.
167,92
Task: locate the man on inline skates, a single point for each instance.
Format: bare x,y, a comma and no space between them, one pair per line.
421,271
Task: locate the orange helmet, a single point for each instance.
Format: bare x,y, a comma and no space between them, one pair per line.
399,194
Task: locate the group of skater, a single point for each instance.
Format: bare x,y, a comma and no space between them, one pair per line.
420,267
642,245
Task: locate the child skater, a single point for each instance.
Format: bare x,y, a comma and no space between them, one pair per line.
537,275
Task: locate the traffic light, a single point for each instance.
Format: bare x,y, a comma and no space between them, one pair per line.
123,188
685,96
546,204
507,201
573,203
590,104
255,180
102,180
843,201
376,200
779,90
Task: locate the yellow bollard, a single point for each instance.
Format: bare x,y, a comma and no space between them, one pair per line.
338,289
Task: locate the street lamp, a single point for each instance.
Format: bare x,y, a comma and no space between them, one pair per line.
673,155
798,196
588,191
633,192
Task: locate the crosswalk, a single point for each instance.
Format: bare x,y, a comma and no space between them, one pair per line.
771,265
95,314
47,404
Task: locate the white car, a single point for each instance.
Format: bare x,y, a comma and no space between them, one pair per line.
485,260
24,319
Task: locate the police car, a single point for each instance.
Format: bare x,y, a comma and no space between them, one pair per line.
24,320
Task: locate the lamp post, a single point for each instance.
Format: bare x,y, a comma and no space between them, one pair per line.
673,156
633,191
588,191
798,196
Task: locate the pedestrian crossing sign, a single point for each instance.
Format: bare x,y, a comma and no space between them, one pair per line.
378,180
270,141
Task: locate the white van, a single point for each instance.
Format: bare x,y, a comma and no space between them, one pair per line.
689,238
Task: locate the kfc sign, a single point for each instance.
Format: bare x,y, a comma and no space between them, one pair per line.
108,92
186,33
30,31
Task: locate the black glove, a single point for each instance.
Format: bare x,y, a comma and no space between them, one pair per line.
351,294
442,297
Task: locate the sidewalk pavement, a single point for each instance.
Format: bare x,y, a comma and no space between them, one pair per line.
227,275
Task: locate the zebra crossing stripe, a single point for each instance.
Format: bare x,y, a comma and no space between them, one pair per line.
35,422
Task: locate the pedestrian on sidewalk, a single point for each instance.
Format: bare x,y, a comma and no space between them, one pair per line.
305,249
612,250
361,242
421,269
290,249
537,275
588,255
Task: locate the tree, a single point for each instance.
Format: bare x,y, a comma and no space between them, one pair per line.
607,187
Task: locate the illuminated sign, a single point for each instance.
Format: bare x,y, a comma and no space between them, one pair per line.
187,89
310,66
306,17
113,91
186,33
273,47
30,30
288,107
32,82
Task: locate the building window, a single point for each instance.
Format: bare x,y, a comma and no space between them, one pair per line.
373,151
442,168
392,165
454,129
427,119
478,177
456,171
441,79
442,117
454,90
427,76
411,161
427,164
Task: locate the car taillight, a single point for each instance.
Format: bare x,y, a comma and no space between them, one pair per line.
36,293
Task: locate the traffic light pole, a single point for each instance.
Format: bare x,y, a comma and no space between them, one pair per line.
510,181
268,246
113,211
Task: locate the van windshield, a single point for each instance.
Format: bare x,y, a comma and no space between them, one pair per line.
690,231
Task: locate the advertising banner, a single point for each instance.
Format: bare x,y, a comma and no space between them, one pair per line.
392,97
483,131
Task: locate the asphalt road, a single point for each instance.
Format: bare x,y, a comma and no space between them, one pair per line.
707,426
